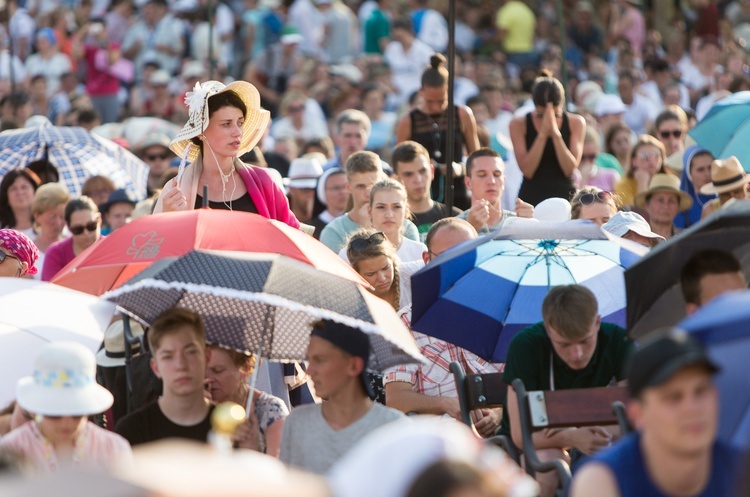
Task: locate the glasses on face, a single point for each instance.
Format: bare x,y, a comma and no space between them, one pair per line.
588,157
153,157
90,226
648,155
360,244
5,255
676,133
296,108
590,198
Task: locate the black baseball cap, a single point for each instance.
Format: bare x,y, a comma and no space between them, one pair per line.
659,358
349,339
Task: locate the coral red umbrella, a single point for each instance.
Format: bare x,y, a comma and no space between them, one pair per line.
115,259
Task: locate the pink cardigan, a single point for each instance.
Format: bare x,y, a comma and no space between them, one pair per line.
268,198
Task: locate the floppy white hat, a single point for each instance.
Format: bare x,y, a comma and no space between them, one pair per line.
113,353
63,383
253,128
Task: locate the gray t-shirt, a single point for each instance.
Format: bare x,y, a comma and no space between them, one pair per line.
308,441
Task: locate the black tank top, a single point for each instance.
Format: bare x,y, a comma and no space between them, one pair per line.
431,131
242,204
549,180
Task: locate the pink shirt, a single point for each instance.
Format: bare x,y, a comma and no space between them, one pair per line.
98,83
94,447
58,255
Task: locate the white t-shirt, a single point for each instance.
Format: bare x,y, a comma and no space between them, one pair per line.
407,66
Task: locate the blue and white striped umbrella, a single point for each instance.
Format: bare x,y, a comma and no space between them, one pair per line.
480,294
77,155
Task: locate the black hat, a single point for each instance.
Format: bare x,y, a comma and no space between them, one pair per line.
349,339
670,350
116,197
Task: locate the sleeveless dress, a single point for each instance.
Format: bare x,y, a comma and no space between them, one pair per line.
549,180
431,131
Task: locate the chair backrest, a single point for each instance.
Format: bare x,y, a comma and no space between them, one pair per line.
577,407
477,390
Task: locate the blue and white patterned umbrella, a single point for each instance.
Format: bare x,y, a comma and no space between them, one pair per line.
480,294
77,155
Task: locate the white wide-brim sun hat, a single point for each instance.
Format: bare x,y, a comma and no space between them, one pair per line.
256,119
64,383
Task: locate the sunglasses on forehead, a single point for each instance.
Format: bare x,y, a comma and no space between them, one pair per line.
360,244
79,228
590,198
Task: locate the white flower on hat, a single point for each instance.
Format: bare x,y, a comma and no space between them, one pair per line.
196,99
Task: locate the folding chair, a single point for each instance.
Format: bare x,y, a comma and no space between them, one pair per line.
477,391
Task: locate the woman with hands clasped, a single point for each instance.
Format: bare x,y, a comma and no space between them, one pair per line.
548,143
224,122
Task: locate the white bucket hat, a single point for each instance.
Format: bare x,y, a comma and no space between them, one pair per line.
112,354
304,173
256,120
63,383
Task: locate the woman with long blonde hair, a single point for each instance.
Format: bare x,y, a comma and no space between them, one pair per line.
373,256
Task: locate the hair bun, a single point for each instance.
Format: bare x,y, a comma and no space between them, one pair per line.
545,73
437,60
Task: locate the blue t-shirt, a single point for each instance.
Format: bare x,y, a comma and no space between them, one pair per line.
625,460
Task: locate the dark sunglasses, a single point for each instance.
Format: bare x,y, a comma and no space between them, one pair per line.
589,198
360,244
588,158
4,256
675,133
90,226
163,156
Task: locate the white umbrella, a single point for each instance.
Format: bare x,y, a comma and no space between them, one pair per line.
34,313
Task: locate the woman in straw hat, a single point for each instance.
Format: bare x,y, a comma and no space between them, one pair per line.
62,393
224,122
728,180
662,202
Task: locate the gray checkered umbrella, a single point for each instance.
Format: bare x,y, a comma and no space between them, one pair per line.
77,155
266,302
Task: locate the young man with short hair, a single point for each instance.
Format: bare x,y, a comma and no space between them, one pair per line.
675,406
708,274
315,436
485,179
362,172
412,166
176,340
570,348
